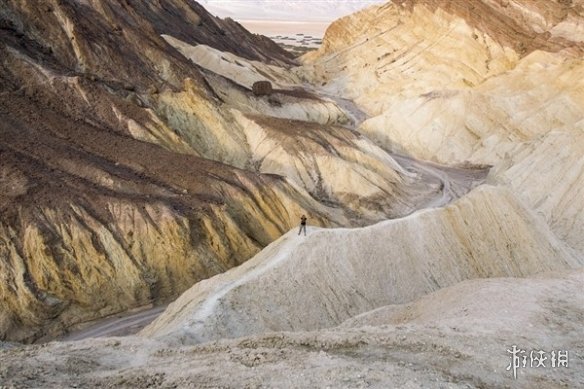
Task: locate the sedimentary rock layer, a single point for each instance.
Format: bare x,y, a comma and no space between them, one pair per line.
480,82
105,201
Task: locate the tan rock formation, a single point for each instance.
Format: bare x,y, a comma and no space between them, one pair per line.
480,82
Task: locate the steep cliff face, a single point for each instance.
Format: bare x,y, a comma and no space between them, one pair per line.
95,222
105,201
102,222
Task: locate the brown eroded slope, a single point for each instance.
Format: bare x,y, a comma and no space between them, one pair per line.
94,221
103,205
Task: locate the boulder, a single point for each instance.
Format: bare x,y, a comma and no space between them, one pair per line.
262,88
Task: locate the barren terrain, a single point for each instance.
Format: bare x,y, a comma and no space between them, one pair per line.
437,149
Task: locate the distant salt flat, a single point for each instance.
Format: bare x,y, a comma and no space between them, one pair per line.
285,28
296,37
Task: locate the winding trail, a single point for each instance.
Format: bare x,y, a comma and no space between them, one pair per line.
455,182
121,325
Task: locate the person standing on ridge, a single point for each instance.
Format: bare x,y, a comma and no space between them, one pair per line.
302,225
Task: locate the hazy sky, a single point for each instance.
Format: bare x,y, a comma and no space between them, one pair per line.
286,10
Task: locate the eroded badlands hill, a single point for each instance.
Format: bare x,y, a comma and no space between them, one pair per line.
482,82
495,83
136,161
432,299
105,202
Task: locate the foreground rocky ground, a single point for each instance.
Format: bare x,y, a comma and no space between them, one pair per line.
457,337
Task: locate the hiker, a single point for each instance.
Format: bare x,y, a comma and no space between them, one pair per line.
302,225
